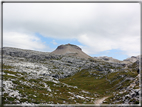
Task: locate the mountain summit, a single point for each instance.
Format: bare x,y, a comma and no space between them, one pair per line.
70,50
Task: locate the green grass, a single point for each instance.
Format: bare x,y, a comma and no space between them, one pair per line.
82,80
88,82
7,66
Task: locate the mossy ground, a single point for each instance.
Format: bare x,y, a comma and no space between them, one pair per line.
104,86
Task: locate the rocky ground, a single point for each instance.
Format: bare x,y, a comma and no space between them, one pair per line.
127,95
28,82
32,77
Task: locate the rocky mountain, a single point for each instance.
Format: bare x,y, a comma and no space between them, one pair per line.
70,50
66,76
132,59
108,59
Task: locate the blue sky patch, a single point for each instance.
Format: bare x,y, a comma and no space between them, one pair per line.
54,42
114,53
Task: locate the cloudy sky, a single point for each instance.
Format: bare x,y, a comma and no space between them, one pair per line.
100,29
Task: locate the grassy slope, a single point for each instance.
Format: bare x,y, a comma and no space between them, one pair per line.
101,86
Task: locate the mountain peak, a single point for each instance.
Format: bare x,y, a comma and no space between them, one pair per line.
70,49
67,46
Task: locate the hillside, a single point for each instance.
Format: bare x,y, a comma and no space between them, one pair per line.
70,50
107,59
31,77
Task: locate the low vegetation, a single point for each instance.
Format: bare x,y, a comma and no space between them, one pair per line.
104,85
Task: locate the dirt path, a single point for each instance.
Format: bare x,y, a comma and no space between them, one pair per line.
100,101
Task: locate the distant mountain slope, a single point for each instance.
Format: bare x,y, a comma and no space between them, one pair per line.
17,52
70,50
132,59
28,54
107,59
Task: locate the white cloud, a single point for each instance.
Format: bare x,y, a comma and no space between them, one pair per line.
49,19
98,26
24,41
130,45
95,44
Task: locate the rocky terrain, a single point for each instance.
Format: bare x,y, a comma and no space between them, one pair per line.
67,76
107,59
132,59
70,50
